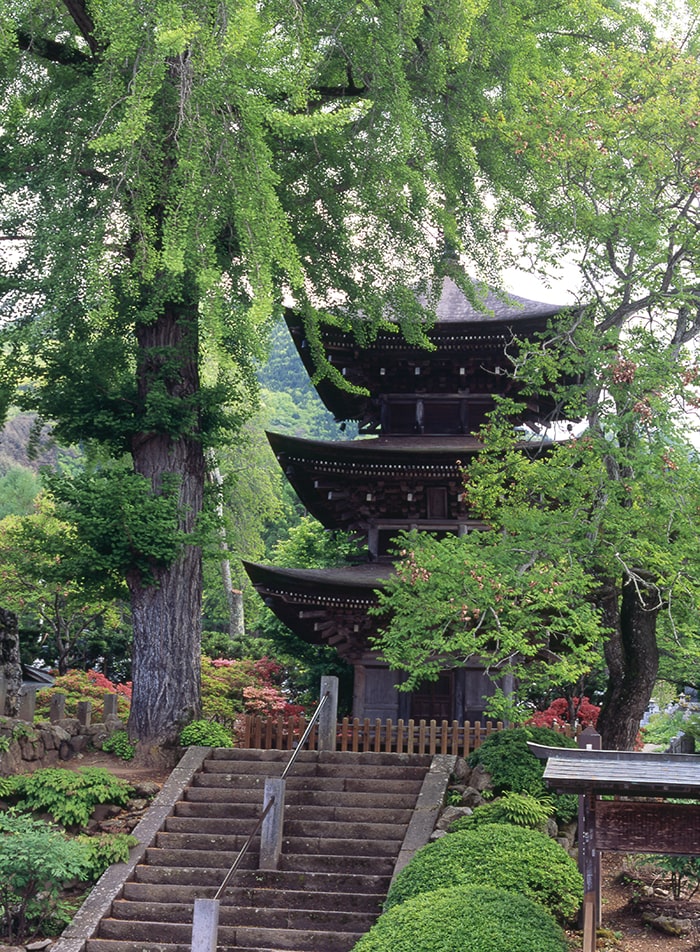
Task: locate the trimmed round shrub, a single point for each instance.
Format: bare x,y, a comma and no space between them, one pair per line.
499,855
205,734
511,765
464,919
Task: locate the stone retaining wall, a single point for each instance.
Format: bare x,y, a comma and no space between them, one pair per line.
26,746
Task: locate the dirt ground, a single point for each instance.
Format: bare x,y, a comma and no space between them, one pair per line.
624,885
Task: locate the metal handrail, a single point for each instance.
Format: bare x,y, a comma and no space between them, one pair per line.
305,736
244,849
290,763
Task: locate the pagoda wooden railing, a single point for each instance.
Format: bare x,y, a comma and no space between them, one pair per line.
361,735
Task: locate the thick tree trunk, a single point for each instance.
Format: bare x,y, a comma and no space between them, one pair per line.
632,657
167,609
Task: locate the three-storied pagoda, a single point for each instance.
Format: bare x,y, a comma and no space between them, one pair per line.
417,423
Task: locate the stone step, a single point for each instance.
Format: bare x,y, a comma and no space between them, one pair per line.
222,835
368,758
230,937
307,812
309,769
348,784
362,799
320,863
208,878
327,920
117,945
261,896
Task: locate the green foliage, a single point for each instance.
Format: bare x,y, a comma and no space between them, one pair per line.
100,852
35,862
499,855
232,686
684,872
520,809
11,787
662,727
41,583
70,796
512,767
19,487
119,744
478,919
205,734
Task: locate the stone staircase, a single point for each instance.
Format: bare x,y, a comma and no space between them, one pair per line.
349,820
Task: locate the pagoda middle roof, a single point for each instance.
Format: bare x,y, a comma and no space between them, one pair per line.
400,450
377,449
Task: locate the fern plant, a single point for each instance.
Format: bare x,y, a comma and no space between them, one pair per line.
71,796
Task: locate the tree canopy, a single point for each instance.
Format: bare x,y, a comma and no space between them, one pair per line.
173,172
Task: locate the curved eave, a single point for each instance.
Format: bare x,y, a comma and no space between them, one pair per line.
344,584
399,451
323,606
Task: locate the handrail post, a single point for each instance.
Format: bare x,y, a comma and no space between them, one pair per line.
271,831
205,925
328,719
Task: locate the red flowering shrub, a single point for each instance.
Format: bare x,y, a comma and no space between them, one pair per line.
84,686
230,688
558,714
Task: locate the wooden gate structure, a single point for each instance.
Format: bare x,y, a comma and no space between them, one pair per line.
643,821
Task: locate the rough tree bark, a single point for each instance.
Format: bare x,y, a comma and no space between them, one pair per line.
166,670
630,611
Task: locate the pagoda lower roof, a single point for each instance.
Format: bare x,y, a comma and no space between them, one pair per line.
344,583
324,606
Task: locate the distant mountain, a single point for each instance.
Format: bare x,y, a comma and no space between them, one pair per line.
24,443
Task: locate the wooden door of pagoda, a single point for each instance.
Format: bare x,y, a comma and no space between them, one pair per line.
434,700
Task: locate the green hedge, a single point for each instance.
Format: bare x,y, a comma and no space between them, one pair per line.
465,919
512,766
500,855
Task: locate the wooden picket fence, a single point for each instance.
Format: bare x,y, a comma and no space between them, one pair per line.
354,734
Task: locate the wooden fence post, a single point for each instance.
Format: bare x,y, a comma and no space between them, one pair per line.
588,855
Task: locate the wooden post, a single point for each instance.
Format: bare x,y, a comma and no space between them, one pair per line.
328,719
588,854
271,832
205,925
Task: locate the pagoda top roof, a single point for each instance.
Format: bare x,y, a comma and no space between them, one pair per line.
454,306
